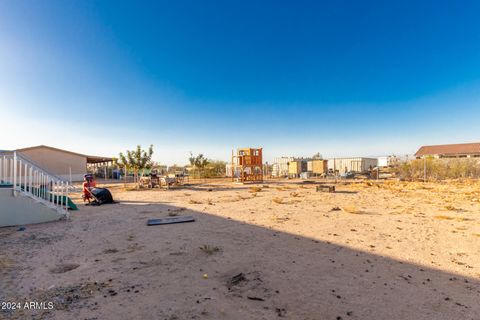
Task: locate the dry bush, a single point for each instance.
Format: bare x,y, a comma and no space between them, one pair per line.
294,194
191,201
439,169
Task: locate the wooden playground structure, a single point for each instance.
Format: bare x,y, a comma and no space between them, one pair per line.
247,165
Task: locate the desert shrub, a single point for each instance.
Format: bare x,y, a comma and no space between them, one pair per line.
439,169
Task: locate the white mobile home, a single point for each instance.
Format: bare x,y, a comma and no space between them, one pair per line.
358,164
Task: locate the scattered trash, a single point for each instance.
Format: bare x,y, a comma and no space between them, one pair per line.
170,220
21,229
64,268
236,280
107,251
281,312
100,196
255,298
205,276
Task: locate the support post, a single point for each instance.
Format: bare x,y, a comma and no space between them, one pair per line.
14,173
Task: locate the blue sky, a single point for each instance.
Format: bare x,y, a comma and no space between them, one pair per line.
343,78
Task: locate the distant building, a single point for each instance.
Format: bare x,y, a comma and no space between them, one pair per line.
280,166
461,150
389,161
358,164
317,166
297,166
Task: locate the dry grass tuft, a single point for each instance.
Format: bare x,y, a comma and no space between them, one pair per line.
5,263
209,249
255,189
452,208
278,200
191,201
442,217
351,209
294,194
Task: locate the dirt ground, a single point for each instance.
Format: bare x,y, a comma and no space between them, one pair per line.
394,250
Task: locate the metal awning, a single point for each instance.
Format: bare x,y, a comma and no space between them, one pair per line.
94,159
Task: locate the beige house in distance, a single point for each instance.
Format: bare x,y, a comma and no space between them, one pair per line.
67,165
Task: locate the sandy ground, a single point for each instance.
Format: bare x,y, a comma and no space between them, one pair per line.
274,250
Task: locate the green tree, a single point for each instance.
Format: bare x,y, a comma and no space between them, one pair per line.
216,168
137,160
198,162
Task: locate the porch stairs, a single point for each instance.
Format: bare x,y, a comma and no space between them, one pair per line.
29,194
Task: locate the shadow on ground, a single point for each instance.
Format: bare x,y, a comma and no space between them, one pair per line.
245,272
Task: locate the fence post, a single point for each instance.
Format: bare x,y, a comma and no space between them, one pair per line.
66,198
424,169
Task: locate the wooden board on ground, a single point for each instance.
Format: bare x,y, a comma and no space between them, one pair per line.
170,220
325,188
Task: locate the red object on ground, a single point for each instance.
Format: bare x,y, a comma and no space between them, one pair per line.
88,184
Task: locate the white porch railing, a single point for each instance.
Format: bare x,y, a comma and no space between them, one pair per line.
28,179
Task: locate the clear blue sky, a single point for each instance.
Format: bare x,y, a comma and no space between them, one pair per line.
298,77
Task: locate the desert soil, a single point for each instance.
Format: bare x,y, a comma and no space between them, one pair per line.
393,250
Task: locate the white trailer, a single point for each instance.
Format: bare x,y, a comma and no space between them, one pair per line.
358,164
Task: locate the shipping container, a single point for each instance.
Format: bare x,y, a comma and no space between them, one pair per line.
294,168
310,166
319,166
